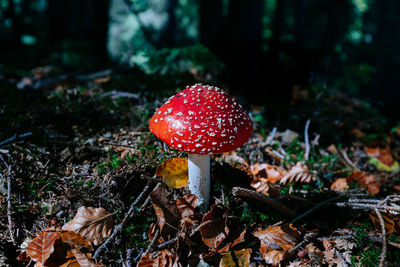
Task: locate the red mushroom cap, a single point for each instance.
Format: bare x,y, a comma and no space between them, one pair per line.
202,119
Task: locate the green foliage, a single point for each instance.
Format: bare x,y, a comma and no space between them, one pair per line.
367,253
173,61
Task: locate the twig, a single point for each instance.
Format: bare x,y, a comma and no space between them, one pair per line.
155,238
128,261
167,243
314,208
384,245
9,213
346,158
306,141
14,138
363,206
118,228
243,192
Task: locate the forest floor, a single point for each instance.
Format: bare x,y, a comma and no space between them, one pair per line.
317,186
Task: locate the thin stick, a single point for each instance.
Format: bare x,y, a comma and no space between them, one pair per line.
14,138
363,206
118,228
384,244
347,159
155,238
243,192
306,141
9,213
167,243
314,209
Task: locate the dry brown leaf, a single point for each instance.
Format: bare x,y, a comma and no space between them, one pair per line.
187,205
242,256
84,259
272,173
174,172
92,223
188,212
236,161
365,180
392,224
71,263
383,155
340,185
262,185
315,254
213,226
166,212
163,258
75,240
276,241
42,246
299,173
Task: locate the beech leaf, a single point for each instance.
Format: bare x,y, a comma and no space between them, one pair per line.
42,246
242,257
174,172
213,226
92,223
276,241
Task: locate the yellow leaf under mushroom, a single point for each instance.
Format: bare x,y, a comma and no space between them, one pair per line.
174,172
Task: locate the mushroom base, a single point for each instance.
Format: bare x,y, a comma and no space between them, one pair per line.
199,178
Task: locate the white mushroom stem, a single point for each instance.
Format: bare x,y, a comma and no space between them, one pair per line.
199,178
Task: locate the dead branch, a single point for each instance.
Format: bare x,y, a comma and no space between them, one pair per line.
118,228
306,141
369,207
14,138
384,245
9,213
155,238
243,192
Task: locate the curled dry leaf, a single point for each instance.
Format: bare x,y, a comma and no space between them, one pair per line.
42,246
340,185
163,258
236,161
262,185
365,180
75,240
213,229
269,172
174,172
242,258
92,223
84,259
382,159
299,173
166,212
187,205
392,224
188,211
276,241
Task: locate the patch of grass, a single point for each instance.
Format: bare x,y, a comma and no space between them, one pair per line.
367,253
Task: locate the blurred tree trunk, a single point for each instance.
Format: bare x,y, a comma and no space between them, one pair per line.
243,46
211,19
171,26
16,26
85,20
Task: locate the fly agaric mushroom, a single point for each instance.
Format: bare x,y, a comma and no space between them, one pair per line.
201,120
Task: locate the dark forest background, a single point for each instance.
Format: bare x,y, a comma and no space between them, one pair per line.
265,48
